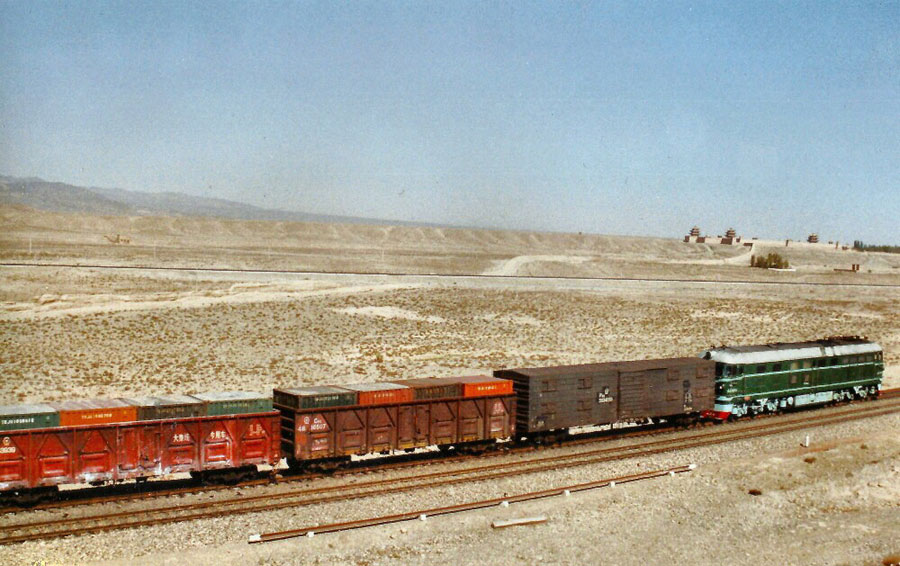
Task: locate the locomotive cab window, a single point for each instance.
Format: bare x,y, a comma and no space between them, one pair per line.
776,367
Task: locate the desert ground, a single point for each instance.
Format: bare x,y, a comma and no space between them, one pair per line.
348,303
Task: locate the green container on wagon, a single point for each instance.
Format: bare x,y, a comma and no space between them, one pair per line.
234,402
23,417
154,408
314,397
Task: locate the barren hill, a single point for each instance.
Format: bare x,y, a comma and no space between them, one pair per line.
62,197
27,234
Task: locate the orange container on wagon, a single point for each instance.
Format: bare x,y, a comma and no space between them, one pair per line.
381,393
484,386
94,411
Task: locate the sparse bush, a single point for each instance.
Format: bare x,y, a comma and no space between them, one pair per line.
771,260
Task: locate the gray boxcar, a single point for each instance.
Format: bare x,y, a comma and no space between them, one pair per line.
560,397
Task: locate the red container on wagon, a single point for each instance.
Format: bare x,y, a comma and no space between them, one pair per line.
484,386
94,411
380,393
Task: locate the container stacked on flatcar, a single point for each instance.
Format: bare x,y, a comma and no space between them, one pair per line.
561,397
333,423
108,440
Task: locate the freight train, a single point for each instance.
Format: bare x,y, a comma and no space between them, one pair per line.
228,435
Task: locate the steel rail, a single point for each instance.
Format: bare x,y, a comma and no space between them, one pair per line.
267,502
445,275
576,440
469,506
427,459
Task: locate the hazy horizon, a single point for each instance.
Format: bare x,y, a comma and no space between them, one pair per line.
610,118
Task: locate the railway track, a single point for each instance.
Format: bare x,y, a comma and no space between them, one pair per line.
132,492
65,526
463,276
84,496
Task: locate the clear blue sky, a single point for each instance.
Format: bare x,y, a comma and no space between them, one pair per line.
777,118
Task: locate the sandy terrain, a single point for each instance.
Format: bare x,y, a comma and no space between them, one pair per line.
30,235
72,332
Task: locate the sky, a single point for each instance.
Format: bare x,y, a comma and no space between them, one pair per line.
776,118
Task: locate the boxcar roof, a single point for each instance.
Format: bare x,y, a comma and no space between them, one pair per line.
605,367
781,351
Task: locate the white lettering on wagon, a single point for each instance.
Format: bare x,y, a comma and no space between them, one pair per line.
181,437
24,420
217,435
8,447
89,416
316,424
604,396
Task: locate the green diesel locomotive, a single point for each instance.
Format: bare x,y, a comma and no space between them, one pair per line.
772,377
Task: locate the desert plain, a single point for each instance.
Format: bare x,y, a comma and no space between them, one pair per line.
198,304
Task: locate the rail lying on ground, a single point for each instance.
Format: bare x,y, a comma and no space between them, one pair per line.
470,506
299,497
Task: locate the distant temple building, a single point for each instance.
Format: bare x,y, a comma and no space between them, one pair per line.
730,238
813,239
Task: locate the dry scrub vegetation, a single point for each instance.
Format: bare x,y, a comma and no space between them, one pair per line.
68,332
406,333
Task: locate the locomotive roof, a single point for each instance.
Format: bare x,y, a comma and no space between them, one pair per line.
781,351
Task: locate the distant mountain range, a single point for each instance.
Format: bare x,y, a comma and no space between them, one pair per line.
61,197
